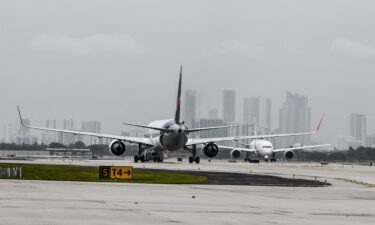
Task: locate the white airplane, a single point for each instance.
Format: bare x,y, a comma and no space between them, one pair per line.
264,149
172,135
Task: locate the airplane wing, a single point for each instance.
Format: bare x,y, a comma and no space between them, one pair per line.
300,148
283,135
138,140
198,141
275,150
237,148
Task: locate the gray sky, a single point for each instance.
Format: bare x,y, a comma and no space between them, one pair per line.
117,61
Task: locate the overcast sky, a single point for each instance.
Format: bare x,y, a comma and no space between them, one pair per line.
117,61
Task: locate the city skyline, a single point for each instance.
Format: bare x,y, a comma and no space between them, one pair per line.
52,65
211,118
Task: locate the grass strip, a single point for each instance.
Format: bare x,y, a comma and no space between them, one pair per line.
91,174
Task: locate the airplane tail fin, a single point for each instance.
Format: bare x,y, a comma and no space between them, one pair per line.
320,123
19,114
178,104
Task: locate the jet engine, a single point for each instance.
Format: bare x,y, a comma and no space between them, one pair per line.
210,150
117,147
235,153
289,155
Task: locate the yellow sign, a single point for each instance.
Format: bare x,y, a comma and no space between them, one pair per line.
116,172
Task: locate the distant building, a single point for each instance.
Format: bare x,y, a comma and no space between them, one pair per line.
295,116
358,127
190,108
267,114
23,134
68,139
49,136
343,142
11,134
251,110
229,105
213,114
258,109
212,133
355,144
92,127
370,141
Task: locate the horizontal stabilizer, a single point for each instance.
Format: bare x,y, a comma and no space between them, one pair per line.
208,128
147,127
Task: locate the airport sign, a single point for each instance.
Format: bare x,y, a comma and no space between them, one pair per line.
116,172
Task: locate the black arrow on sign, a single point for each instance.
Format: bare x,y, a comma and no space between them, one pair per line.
128,172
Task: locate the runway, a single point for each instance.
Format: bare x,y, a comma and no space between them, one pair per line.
50,202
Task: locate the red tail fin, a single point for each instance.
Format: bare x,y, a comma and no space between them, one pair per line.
320,123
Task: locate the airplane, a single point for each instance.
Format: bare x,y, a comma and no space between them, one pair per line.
172,135
264,148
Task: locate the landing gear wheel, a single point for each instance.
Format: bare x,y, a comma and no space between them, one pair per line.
136,158
142,158
273,160
197,159
191,159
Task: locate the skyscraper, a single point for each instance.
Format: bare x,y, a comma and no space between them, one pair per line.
358,127
267,114
251,110
295,116
259,109
93,127
224,132
190,105
23,134
49,137
68,138
229,104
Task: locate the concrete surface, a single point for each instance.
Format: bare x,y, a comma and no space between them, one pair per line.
49,202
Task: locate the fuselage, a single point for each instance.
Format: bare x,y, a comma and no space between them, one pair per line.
263,148
174,139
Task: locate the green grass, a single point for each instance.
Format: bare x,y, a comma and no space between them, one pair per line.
91,174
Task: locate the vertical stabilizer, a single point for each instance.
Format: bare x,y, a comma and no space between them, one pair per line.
178,104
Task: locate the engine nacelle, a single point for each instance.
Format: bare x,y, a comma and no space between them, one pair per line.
235,153
117,147
210,150
289,155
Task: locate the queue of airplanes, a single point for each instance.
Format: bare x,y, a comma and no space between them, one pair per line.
173,134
